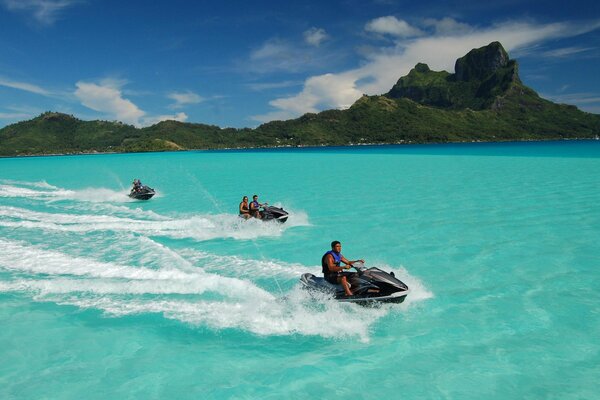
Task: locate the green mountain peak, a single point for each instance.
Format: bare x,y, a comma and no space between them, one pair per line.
479,64
480,76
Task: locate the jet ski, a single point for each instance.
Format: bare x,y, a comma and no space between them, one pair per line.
142,193
368,285
269,213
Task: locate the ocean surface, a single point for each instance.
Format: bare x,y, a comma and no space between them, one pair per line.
105,297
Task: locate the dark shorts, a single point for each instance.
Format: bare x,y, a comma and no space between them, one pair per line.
332,277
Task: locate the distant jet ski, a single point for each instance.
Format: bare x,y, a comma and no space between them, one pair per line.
142,193
367,285
269,213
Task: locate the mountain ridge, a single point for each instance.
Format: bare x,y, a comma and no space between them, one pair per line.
483,100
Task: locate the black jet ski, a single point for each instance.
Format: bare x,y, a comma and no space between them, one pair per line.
143,193
269,213
368,285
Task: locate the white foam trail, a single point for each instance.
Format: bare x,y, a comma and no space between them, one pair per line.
117,210
197,227
129,249
44,191
298,313
103,197
59,218
18,257
39,184
262,318
164,254
116,290
296,217
94,195
120,218
103,286
244,267
15,191
418,291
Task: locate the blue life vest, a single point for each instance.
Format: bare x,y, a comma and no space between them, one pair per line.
337,259
256,205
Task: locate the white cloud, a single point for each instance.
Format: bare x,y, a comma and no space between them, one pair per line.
44,11
181,117
563,88
28,87
184,98
323,91
575,98
272,85
107,98
260,86
393,26
448,26
315,36
565,51
381,70
273,48
589,102
275,54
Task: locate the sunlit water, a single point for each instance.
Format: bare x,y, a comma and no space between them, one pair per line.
105,297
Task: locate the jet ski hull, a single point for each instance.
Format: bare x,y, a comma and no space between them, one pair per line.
145,193
370,286
397,298
270,213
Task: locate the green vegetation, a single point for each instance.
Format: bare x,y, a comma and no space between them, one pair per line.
484,100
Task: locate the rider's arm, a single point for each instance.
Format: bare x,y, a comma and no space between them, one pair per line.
331,265
350,262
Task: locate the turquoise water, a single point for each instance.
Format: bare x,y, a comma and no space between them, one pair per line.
104,297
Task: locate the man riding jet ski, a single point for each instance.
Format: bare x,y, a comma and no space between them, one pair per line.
364,286
141,192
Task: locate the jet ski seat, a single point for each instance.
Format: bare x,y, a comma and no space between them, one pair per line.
322,282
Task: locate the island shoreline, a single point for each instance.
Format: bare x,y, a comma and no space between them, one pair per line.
306,147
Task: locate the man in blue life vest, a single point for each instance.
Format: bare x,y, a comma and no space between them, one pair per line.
332,269
254,207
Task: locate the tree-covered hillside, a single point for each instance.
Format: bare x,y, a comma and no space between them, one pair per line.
484,100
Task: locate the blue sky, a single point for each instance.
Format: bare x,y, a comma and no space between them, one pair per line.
242,63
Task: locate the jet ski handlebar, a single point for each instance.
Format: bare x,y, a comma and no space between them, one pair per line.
359,267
